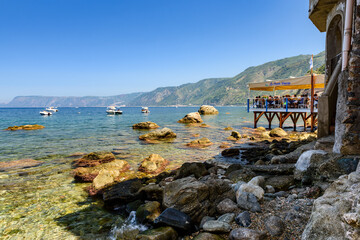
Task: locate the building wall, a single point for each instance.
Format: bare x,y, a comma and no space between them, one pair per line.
347,134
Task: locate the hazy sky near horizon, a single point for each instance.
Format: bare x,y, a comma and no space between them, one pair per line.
102,48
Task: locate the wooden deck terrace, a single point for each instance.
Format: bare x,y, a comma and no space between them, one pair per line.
282,114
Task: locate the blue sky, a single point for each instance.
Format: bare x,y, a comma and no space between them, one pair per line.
110,47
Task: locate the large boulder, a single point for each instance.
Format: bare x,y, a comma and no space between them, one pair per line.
208,110
317,165
278,132
145,125
23,163
193,117
200,143
25,127
335,215
293,156
94,159
162,134
197,169
153,164
175,218
197,198
122,193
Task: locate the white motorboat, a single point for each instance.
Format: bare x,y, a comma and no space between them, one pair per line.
45,113
113,110
51,109
145,110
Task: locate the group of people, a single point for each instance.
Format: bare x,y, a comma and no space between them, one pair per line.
293,101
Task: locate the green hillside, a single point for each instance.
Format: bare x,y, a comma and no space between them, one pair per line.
228,91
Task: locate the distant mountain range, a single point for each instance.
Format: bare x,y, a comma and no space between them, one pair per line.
214,91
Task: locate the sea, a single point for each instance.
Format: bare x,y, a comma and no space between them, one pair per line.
44,202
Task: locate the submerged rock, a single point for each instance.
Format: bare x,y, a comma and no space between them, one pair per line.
208,110
88,174
23,163
193,117
198,143
153,164
94,159
145,125
25,127
162,134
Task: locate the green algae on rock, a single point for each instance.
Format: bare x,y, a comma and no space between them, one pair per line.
25,127
162,134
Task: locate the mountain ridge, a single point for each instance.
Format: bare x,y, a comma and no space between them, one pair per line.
214,91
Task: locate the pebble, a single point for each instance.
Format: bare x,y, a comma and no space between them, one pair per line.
274,225
243,219
228,218
216,226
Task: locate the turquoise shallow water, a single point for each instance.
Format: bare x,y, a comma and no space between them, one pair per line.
44,203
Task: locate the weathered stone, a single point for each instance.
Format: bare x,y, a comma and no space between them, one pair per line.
197,198
278,132
25,127
148,212
162,134
265,134
327,218
204,220
122,193
153,164
258,181
208,236
145,125
226,206
191,168
162,233
274,225
243,219
227,217
208,110
254,189
230,152
247,201
193,117
16,164
152,192
228,128
198,143
280,182
175,218
241,175
245,234
216,226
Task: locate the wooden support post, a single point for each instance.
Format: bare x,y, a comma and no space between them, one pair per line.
312,102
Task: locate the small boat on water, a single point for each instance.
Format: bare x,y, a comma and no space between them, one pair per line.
145,110
51,109
113,110
45,113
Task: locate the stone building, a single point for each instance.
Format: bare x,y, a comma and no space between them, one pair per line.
339,106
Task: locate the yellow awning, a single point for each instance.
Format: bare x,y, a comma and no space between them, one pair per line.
289,83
